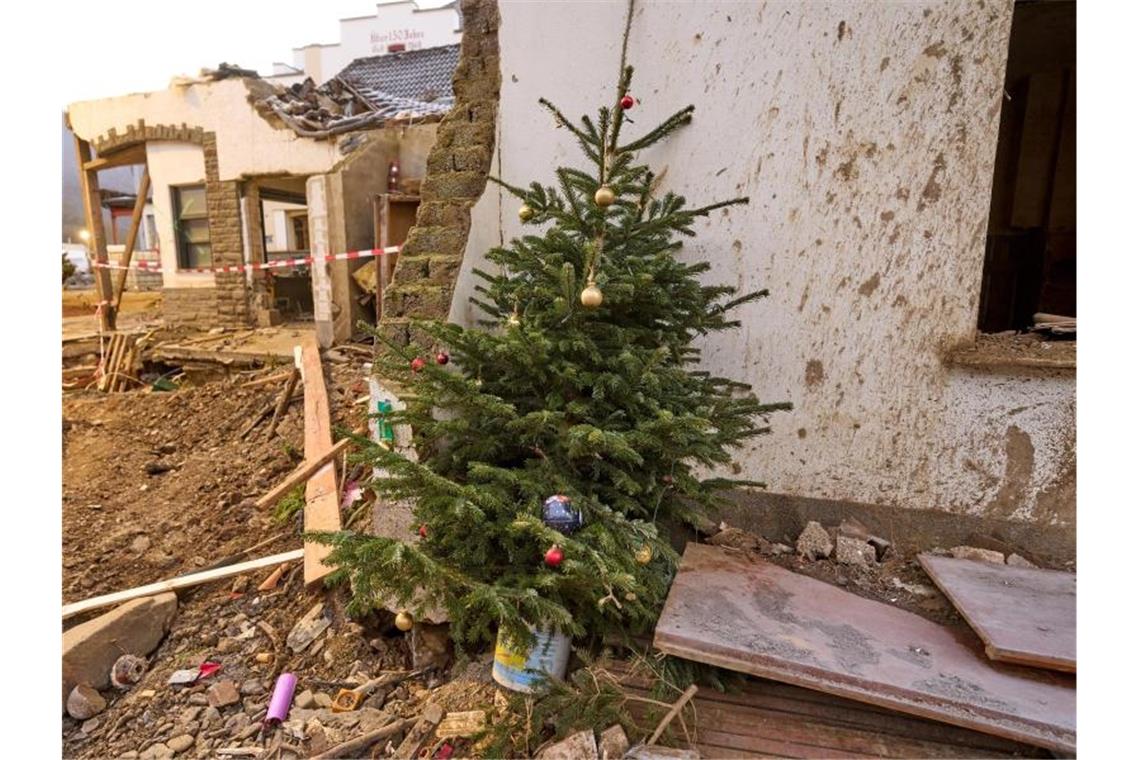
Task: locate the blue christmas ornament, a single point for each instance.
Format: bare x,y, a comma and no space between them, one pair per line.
558,514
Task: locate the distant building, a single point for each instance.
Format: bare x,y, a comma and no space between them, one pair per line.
394,27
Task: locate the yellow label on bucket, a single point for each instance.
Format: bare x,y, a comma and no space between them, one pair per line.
509,658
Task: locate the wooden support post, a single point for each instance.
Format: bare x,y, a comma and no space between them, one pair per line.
322,502
132,236
89,182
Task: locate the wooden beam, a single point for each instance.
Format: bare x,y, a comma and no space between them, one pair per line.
183,581
89,182
300,475
132,236
125,157
322,498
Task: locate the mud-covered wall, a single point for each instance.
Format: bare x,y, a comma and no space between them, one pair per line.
864,133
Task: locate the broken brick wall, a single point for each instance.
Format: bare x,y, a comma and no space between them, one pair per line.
457,166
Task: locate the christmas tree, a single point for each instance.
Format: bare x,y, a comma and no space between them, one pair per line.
582,383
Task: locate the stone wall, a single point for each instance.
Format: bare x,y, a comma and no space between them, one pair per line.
195,307
457,166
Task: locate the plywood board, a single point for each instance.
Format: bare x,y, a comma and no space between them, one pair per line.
1024,615
752,616
322,501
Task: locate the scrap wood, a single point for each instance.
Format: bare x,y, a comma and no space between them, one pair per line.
273,578
676,708
322,503
268,380
354,747
1025,615
429,719
182,581
283,401
755,617
262,415
303,472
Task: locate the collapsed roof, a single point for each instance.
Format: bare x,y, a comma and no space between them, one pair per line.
408,86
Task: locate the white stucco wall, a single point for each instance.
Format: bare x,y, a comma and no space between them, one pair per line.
864,133
170,164
247,143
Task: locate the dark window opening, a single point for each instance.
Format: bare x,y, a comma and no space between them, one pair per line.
1031,241
191,226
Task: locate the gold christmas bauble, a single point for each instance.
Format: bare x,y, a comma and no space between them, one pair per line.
644,555
630,596
604,196
513,320
404,621
526,213
591,296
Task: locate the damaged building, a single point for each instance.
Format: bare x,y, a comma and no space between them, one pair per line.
245,175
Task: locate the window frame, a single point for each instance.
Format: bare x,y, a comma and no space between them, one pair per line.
180,241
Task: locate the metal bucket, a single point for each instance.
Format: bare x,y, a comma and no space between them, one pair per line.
523,669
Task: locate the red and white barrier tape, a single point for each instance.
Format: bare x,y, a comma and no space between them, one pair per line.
151,266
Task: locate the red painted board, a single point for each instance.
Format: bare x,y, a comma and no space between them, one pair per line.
1025,615
743,613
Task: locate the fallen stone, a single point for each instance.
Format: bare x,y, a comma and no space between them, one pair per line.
579,746
735,538
199,699
189,714
308,628
157,468
322,699
978,554
881,545
814,542
613,743
223,693
90,649
180,743
778,550
89,726
156,752
140,544
917,589
85,702
211,716
240,585
305,700
1016,560
431,646
853,551
251,687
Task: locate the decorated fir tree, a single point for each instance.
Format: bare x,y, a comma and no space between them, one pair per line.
583,384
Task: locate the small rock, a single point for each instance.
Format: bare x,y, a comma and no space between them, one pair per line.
227,645
978,554
189,714
241,583
157,752
85,702
180,743
223,693
263,658
854,551
249,730
579,746
305,700
613,743
199,699
736,538
166,448
431,646
814,542
157,468
917,589
322,699
251,687
1016,560
881,546
778,550
236,723
211,716
89,726
131,755
147,694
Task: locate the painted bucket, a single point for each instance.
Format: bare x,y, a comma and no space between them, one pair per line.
523,669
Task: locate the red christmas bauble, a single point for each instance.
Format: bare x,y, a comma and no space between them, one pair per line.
627,102
553,556
442,358
418,364
423,531
667,479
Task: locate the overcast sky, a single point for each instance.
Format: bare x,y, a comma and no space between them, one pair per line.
138,45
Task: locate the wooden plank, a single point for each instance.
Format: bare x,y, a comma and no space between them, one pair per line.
283,401
322,500
132,236
93,212
301,474
755,617
136,154
183,581
1025,615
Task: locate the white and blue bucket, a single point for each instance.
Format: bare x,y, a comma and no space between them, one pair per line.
524,669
